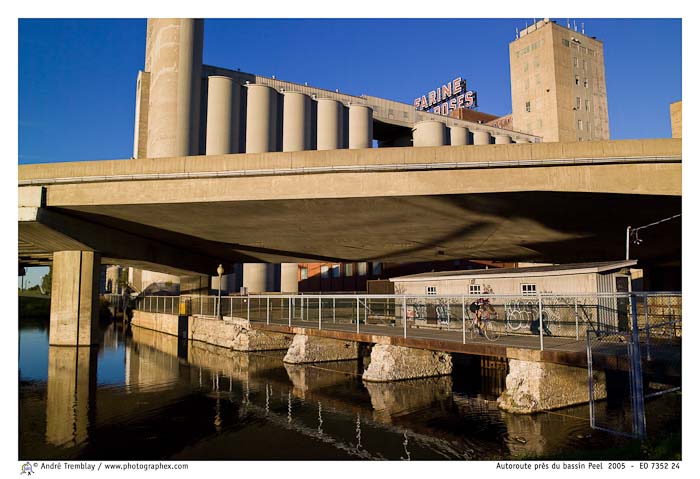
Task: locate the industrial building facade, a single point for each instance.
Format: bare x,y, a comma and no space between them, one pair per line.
185,108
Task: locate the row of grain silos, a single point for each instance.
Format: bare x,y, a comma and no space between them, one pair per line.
437,133
280,121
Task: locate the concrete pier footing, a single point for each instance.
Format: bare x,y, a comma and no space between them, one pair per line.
536,386
392,363
74,304
315,349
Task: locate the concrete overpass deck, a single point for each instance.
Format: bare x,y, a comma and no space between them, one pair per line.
555,202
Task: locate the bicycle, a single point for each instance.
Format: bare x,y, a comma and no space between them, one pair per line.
484,319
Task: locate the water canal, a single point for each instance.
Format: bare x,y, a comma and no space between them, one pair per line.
145,395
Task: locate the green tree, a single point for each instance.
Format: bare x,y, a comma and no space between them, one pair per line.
46,282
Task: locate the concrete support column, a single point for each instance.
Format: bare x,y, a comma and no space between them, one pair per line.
315,349
174,60
482,138
360,119
70,391
289,278
429,133
74,298
296,124
536,386
503,139
255,277
329,125
223,116
261,119
459,135
391,363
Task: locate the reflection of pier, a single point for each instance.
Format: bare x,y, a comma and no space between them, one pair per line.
251,378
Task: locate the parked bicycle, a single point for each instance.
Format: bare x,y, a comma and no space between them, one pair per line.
483,321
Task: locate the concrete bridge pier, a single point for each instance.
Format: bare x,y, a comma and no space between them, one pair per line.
533,386
392,363
74,298
315,349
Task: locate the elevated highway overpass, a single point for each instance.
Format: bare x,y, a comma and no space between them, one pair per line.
553,202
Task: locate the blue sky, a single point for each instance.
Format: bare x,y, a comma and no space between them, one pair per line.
77,77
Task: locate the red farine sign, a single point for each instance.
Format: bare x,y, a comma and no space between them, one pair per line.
448,97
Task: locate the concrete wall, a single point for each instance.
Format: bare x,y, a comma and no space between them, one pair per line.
676,119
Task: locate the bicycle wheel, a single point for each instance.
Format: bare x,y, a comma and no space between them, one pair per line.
514,320
490,330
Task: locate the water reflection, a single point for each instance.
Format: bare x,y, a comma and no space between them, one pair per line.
72,380
197,401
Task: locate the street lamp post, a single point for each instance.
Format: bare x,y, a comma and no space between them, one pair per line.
220,270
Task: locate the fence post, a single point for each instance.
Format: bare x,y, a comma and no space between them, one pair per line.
358,315
319,312
290,311
464,322
301,309
576,314
267,312
405,317
539,300
646,321
637,378
248,307
334,310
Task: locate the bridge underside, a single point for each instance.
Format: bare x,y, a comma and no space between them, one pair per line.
554,227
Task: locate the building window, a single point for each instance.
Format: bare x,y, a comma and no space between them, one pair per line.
376,268
324,272
575,62
584,65
475,289
336,270
432,290
577,80
362,269
565,42
528,289
525,67
585,82
304,273
578,102
536,62
580,124
348,269
527,107
588,106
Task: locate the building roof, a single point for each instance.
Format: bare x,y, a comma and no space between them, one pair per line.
550,270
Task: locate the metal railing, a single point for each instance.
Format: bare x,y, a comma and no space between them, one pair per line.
444,317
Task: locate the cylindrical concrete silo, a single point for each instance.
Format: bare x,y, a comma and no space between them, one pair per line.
289,278
223,115
261,119
255,277
360,119
296,123
174,61
482,138
429,133
503,139
459,135
329,134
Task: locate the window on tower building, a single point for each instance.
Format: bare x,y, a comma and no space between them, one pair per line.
585,82
588,106
575,62
578,102
577,80
580,124
527,107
